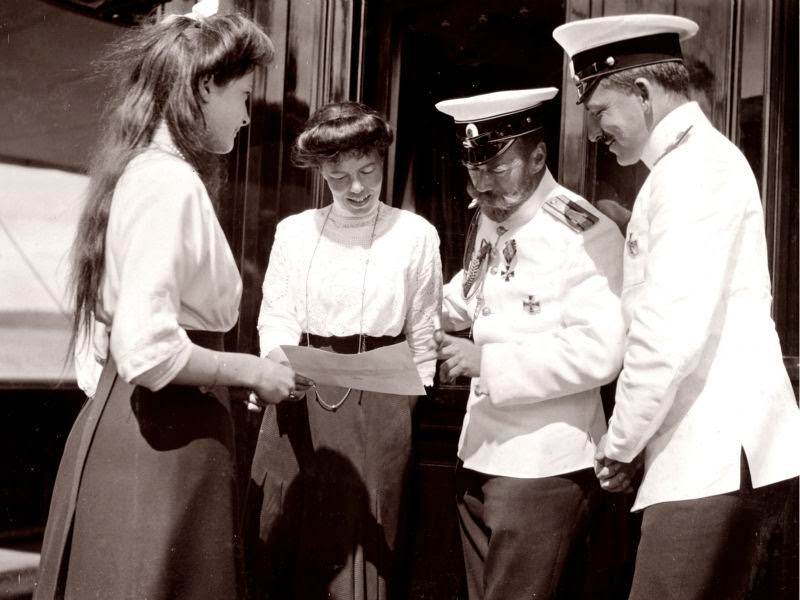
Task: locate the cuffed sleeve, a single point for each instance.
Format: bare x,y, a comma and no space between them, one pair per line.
159,228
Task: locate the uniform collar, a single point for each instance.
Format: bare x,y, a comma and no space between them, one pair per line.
667,132
526,212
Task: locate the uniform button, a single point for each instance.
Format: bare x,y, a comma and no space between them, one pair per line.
486,311
493,270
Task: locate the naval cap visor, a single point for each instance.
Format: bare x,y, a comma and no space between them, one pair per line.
604,45
481,141
486,125
592,65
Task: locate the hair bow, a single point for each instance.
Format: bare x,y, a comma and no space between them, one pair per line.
203,9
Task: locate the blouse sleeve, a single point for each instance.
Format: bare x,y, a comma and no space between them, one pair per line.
157,247
426,300
277,321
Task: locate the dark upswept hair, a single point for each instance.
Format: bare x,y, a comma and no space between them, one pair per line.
673,76
158,70
338,129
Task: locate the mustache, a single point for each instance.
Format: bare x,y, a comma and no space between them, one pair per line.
490,198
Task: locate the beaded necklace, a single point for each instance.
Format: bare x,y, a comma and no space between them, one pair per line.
171,148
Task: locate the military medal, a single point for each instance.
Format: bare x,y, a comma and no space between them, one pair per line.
472,261
532,305
476,266
509,253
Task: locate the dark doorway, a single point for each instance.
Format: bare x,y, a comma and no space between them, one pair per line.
430,51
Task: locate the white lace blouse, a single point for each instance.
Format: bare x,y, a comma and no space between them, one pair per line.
168,268
326,265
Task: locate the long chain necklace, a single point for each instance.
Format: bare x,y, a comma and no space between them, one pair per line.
333,407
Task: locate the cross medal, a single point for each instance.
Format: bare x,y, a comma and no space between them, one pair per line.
509,252
532,305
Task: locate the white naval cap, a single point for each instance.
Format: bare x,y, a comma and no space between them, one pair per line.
487,124
604,45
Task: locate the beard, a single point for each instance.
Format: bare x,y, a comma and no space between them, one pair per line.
502,200
497,207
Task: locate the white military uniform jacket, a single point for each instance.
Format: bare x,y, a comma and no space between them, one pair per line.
703,374
551,333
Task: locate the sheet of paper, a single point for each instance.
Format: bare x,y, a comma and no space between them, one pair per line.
390,369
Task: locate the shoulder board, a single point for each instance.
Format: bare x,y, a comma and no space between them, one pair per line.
572,214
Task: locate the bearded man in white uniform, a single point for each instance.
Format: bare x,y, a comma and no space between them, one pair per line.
539,289
704,392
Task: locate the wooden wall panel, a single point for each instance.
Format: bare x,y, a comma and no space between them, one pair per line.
625,7
574,159
781,180
312,66
713,46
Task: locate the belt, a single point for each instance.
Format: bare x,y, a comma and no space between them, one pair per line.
349,344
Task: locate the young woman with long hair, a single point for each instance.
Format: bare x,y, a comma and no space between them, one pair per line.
143,505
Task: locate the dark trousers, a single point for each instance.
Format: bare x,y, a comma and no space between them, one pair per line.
707,548
518,535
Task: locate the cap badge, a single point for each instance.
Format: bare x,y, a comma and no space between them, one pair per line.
610,61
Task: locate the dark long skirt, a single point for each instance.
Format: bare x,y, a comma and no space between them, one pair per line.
143,506
324,508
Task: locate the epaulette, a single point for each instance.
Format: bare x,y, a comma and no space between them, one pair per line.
572,214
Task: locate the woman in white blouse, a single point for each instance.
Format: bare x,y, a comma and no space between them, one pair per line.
329,473
144,501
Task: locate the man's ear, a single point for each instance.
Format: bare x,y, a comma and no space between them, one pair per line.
538,157
205,88
644,89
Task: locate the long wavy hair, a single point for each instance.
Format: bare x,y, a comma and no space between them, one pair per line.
159,70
